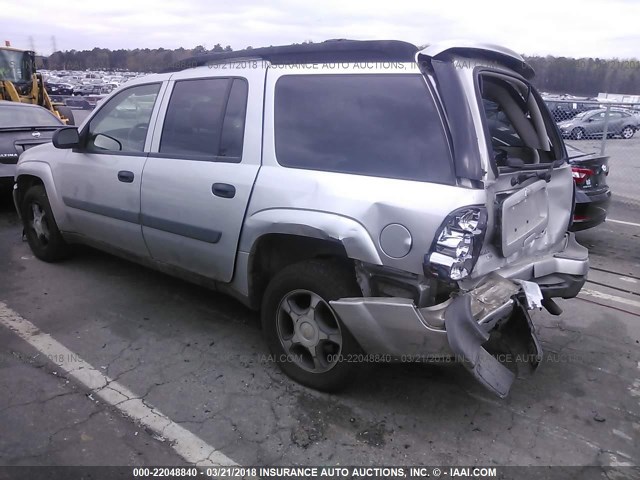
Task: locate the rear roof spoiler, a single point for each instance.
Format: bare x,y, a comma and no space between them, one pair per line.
485,51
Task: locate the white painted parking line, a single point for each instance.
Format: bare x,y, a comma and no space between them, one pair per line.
629,279
189,446
623,222
612,298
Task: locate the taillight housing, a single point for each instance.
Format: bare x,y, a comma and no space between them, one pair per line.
581,175
457,244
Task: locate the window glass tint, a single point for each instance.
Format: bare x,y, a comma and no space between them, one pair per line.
18,116
233,126
125,118
380,125
193,122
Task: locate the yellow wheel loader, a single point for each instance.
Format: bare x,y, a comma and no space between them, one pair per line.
19,82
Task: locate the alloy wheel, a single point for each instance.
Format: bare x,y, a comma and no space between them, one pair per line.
309,331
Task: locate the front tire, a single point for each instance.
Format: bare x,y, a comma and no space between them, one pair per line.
40,226
304,334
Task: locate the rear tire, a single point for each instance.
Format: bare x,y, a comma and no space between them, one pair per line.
40,226
627,132
304,334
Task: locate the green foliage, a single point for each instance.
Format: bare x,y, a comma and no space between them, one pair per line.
586,76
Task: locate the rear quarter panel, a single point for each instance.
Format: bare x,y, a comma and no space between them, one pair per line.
370,202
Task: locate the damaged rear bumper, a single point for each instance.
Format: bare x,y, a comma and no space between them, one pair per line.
458,329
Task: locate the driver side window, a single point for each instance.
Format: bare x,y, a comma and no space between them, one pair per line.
122,124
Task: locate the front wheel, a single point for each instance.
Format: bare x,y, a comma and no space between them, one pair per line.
577,134
40,227
304,334
627,132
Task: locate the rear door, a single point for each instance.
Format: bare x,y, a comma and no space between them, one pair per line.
616,121
199,176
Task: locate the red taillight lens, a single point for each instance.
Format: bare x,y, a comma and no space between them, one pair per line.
581,175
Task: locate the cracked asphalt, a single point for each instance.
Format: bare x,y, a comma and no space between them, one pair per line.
199,358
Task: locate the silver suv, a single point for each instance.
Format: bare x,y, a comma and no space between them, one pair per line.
375,201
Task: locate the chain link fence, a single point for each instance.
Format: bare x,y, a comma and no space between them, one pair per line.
606,128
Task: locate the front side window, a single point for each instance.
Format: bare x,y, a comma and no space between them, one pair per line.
384,125
122,124
205,119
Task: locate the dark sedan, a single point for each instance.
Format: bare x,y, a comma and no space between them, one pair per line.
593,195
59,88
22,126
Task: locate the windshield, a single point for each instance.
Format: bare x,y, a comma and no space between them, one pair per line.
16,66
17,116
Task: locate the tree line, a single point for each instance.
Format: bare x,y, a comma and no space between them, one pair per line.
578,76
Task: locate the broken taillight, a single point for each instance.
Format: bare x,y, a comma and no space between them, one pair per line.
457,244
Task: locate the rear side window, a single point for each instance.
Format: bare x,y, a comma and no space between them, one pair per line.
205,119
380,125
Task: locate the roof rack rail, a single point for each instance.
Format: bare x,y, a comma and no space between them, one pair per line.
324,52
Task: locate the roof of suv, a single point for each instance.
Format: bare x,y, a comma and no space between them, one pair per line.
328,51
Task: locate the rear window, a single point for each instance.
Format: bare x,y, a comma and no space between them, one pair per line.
19,116
380,125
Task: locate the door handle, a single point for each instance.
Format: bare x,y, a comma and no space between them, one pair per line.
125,176
223,190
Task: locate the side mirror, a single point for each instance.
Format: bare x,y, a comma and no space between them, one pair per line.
66,137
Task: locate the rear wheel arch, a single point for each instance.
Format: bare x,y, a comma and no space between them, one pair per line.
273,252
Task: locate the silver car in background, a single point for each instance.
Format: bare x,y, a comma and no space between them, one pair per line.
591,124
363,195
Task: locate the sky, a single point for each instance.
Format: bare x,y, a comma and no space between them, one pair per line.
576,28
